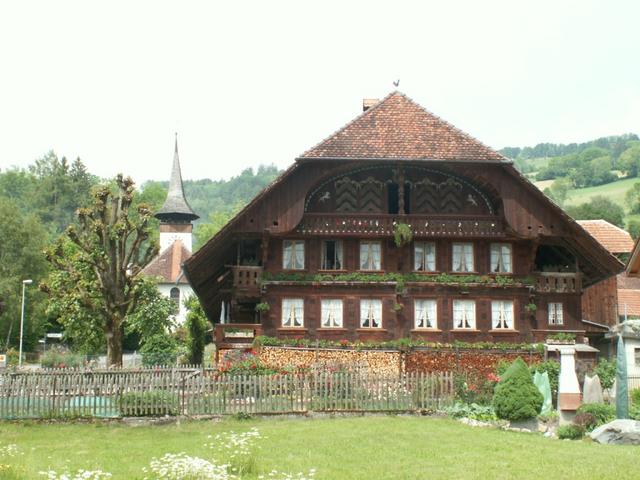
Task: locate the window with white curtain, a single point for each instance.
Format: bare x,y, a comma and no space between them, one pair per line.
292,312
462,257
370,256
331,255
425,315
331,313
555,314
464,314
370,313
424,256
501,258
293,254
502,314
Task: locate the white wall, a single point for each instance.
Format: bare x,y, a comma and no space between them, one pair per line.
185,292
630,344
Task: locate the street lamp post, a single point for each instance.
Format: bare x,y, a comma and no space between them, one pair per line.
24,285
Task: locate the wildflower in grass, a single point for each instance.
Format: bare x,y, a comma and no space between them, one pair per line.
180,466
232,445
79,475
276,475
9,450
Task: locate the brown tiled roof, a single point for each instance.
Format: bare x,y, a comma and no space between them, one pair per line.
630,298
613,238
399,128
628,283
168,265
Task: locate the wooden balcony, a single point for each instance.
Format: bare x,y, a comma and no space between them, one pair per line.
246,280
236,335
337,224
556,282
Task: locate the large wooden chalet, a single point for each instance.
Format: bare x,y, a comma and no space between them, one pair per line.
490,258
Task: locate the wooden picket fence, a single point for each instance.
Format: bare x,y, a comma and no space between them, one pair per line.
193,392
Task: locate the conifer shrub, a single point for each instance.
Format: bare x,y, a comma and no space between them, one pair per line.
516,397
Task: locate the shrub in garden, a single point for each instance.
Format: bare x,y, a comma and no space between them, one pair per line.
159,349
586,421
197,330
474,411
571,432
150,403
635,396
606,371
473,387
601,412
516,397
57,358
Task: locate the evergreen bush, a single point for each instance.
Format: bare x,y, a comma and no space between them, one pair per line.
160,349
516,397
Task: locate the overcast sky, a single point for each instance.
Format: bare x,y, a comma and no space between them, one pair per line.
245,83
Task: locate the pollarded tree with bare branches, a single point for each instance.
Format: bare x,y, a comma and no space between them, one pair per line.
97,281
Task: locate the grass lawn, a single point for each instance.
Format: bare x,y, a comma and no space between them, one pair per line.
385,447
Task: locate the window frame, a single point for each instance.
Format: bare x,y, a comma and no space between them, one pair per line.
434,320
322,306
453,314
500,245
360,320
473,257
424,243
283,312
323,255
294,242
554,306
380,266
513,315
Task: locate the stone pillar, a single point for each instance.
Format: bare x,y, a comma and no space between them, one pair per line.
569,398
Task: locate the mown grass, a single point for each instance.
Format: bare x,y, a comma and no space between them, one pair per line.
340,448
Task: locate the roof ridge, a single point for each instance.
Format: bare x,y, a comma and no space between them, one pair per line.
349,123
453,127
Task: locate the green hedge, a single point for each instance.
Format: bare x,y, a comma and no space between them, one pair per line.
150,403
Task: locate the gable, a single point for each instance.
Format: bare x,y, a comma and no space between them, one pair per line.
399,128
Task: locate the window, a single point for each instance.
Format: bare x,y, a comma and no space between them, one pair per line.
293,254
331,255
292,312
174,295
555,314
462,257
501,258
370,313
424,256
425,314
502,314
636,353
331,313
464,314
370,256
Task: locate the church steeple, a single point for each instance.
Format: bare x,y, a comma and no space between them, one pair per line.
176,215
176,209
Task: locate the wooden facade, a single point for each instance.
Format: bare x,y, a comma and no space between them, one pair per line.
324,231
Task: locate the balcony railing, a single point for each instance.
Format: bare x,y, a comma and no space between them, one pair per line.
246,279
556,282
382,224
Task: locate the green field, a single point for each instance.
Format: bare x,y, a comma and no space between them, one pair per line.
381,447
614,191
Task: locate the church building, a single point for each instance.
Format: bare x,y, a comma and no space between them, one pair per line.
176,227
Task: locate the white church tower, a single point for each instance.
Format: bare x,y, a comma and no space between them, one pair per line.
176,244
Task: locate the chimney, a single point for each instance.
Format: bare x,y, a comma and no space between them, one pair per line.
367,103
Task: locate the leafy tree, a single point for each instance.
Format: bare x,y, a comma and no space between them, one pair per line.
102,274
160,349
23,240
197,330
559,190
633,227
629,161
598,207
632,198
154,314
217,220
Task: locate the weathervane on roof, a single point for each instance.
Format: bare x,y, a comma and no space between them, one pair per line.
396,83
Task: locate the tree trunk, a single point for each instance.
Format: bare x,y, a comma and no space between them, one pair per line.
114,346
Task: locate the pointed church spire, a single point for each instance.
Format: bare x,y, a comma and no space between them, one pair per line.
176,209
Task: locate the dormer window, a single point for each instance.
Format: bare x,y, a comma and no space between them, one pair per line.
293,255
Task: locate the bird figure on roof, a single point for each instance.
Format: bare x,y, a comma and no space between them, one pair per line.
396,83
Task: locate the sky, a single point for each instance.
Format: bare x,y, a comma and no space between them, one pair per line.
247,83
